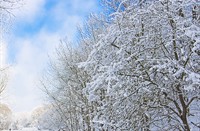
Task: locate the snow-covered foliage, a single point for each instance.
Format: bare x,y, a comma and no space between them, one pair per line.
34,120
64,86
145,67
5,117
27,129
36,115
41,119
50,120
21,120
139,69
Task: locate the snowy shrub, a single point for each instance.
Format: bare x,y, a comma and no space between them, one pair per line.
5,117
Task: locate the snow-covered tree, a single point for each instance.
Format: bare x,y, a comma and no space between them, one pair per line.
64,87
3,81
36,115
7,8
20,120
65,82
50,120
6,12
145,67
5,116
137,69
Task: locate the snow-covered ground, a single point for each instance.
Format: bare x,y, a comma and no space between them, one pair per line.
27,129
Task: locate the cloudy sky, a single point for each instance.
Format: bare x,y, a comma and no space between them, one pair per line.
36,30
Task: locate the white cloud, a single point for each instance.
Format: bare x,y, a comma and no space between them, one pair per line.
30,10
32,54
31,60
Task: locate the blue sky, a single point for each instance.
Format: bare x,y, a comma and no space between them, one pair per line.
36,30
51,20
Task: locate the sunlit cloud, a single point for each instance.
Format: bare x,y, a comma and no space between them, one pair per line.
39,26
30,10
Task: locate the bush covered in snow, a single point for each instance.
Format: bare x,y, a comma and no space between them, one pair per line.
5,117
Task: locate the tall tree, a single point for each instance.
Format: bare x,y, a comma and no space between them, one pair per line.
6,13
139,69
145,67
5,117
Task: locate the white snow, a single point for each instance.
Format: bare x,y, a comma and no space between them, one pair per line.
27,129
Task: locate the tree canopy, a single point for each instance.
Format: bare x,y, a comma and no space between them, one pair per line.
135,68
